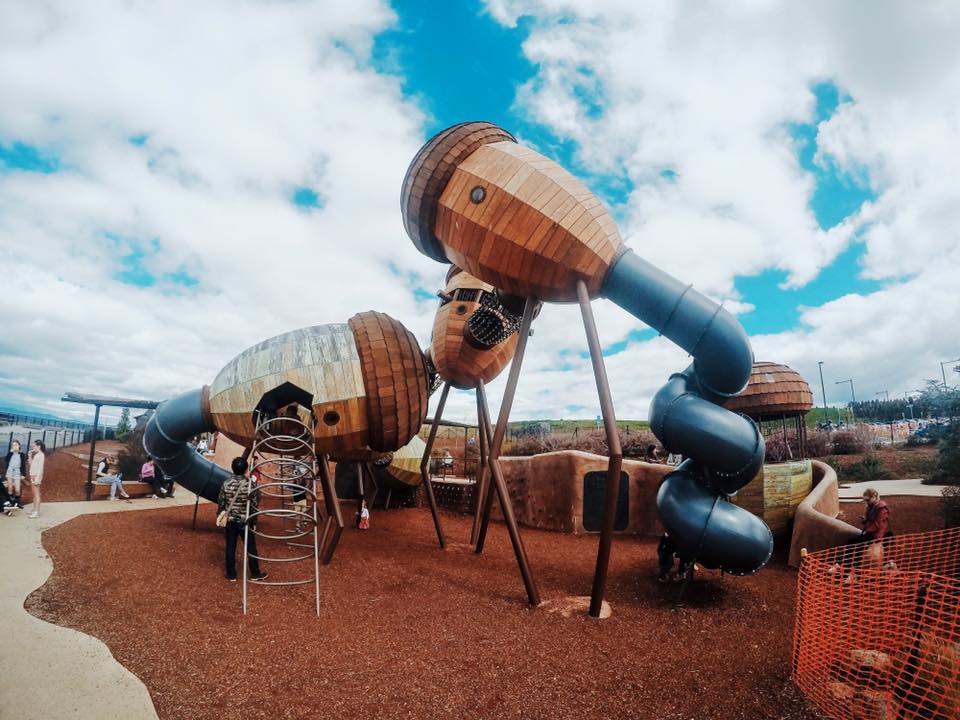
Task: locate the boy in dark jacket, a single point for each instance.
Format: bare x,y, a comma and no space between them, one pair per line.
234,494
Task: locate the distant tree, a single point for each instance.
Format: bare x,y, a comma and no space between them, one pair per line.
123,426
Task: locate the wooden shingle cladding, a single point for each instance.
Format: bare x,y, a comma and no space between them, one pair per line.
321,360
457,361
772,391
429,173
405,465
536,230
394,373
507,215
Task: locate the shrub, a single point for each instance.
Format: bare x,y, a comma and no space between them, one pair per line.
594,441
950,506
848,442
948,457
133,456
818,444
868,469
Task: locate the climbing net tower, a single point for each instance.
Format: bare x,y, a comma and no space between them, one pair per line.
287,516
877,632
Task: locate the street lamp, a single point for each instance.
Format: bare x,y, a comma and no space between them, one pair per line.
852,395
943,372
823,390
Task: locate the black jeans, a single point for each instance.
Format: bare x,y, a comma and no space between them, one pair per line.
232,531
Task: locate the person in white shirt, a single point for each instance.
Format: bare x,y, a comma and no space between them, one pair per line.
38,454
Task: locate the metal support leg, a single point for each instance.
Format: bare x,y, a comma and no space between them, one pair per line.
613,443
372,484
196,506
332,505
425,465
482,485
499,484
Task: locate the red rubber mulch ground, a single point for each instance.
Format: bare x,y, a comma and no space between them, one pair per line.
407,630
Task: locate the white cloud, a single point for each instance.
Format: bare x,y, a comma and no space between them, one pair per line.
708,92
239,104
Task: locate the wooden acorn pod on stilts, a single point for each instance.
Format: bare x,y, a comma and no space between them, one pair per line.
518,221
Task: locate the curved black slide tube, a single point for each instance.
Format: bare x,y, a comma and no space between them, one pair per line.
726,449
165,439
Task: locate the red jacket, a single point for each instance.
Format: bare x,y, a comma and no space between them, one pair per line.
877,520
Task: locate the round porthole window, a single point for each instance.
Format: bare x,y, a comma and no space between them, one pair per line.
331,417
461,309
477,195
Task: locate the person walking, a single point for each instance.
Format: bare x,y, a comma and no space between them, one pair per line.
235,493
15,470
38,454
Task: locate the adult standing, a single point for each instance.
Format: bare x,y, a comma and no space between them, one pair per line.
15,471
38,455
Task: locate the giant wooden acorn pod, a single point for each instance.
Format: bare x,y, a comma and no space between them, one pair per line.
507,215
459,357
365,381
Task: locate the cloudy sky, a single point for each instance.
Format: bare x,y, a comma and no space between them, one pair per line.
179,181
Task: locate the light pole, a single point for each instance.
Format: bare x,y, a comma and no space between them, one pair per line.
943,372
852,395
886,393
823,390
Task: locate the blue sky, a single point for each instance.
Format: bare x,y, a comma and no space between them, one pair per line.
435,63
157,228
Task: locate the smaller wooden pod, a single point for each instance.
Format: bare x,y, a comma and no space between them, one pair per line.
774,494
507,215
772,391
458,360
404,467
364,381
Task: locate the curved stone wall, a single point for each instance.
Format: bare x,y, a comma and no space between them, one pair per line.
815,525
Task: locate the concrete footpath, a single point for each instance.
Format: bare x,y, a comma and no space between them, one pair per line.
49,672
850,492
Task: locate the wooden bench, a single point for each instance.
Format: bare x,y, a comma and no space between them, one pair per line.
133,488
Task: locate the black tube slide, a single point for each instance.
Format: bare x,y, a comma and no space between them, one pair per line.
165,440
727,449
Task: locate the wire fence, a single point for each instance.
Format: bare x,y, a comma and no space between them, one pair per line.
52,438
877,632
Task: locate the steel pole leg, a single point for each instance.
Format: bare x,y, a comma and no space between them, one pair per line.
483,431
499,484
613,444
425,465
196,506
333,509
493,447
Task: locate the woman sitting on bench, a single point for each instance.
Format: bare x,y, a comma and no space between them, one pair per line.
115,481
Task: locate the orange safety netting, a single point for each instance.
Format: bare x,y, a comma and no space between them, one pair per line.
877,634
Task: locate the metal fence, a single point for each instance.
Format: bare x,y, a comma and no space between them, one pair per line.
52,438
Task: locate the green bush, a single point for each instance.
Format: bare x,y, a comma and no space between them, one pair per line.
848,442
950,506
868,469
948,457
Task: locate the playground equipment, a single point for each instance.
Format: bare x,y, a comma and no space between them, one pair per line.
474,338
777,398
286,462
877,631
364,383
518,221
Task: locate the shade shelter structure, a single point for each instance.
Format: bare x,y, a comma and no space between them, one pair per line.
777,398
98,401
